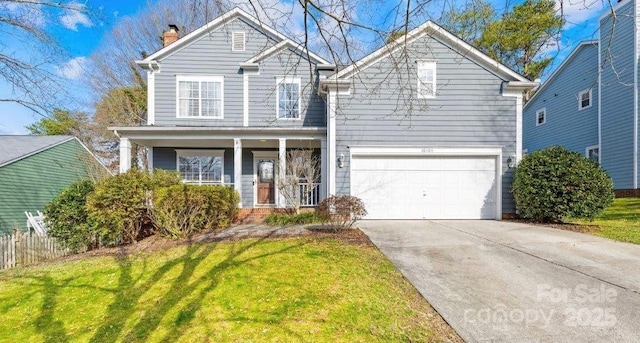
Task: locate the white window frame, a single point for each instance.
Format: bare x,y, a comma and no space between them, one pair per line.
201,153
422,65
233,41
589,148
586,91
199,79
544,116
287,79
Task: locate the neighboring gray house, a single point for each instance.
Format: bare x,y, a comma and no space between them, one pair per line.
430,129
594,110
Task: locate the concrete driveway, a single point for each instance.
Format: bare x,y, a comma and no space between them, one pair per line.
508,282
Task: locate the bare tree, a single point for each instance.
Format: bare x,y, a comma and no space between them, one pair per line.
30,57
297,182
118,86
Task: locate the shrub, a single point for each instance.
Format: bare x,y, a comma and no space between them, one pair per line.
164,178
118,206
554,183
181,210
280,219
341,212
67,218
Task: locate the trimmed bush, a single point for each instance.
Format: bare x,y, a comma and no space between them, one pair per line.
180,211
278,219
164,178
67,217
554,183
341,212
118,206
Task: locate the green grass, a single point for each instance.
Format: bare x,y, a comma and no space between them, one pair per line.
621,221
278,219
286,290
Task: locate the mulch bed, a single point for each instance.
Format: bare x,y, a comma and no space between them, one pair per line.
156,243
563,226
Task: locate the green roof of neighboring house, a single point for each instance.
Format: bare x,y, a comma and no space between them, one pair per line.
33,171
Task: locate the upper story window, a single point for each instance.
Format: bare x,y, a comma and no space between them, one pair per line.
584,99
288,97
541,116
426,79
200,97
201,167
593,153
237,41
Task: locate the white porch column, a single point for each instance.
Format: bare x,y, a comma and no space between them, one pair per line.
237,167
150,158
323,168
282,158
331,142
125,154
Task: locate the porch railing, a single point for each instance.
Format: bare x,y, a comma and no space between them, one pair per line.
309,194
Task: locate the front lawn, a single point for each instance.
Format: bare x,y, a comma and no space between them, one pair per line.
275,290
621,221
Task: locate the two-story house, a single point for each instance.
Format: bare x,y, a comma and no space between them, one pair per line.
424,127
590,103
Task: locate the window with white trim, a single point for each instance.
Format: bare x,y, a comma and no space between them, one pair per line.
288,98
426,79
238,41
201,167
541,116
200,97
593,153
584,99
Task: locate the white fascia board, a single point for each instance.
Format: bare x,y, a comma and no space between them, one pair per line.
287,43
214,25
562,66
430,28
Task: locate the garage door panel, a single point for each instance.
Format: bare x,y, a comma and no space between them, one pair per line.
426,187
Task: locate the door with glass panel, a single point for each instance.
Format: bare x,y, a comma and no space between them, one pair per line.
265,181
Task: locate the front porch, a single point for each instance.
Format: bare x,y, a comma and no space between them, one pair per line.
250,161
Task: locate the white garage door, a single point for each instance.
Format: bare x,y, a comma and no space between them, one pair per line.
426,187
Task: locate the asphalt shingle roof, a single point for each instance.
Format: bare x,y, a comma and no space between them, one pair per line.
13,148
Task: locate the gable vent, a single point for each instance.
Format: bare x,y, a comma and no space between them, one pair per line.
237,41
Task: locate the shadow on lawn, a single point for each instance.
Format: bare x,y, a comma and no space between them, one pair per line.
128,293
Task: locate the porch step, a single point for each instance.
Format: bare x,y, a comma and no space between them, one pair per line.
255,215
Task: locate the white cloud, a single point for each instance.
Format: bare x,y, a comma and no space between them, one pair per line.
31,14
578,11
74,17
73,69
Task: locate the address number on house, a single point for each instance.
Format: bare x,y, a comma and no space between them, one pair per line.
427,150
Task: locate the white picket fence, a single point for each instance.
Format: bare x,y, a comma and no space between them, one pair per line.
23,249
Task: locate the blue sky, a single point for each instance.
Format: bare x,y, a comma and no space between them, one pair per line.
80,35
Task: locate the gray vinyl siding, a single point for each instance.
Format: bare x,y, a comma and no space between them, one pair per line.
617,96
211,55
262,92
565,125
469,109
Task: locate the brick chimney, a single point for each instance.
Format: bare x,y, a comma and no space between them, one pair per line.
170,36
